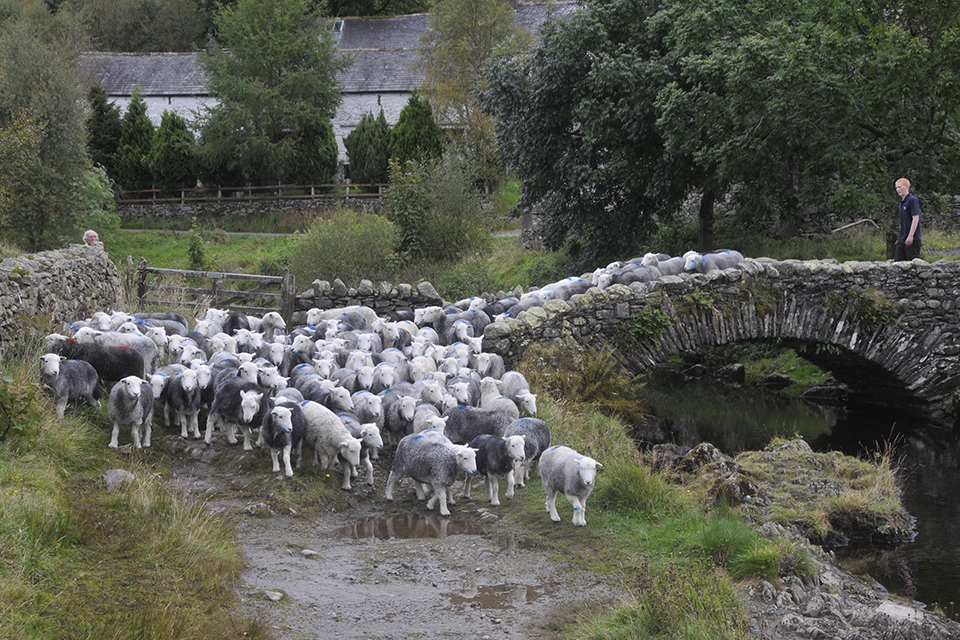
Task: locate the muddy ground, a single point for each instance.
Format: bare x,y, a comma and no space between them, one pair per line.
363,570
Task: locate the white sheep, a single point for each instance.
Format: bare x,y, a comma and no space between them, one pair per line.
329,439
131,404
563,469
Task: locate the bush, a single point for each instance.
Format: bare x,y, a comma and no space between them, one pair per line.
350,246
416,136
368,150
136,141
173,155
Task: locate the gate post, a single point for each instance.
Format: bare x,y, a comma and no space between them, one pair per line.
141,282
288,297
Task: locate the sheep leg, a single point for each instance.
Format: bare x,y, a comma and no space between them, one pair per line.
391,478
147,432
493,490
347,474
551,503
166,415
61,407
208,435
246,439
182,421
579,517
467,485
114,436
369,466
511,483
288,470
135,435
232,432
194,419
274,458
441,497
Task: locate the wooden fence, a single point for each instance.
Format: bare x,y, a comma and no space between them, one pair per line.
216,295
249,194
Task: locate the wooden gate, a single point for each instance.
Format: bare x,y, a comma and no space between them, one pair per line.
216,295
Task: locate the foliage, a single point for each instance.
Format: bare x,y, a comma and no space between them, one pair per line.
350,246
465,279
368,149
642,327
437,208
197,248
41,105
19,408
172,157
415,137
96,207
461,38
136,142
315,155
874,311
273,110
103,130
141,25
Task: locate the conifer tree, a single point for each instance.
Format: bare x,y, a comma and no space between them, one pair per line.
315,154
416,136
172,158
103,129
136,141
368,148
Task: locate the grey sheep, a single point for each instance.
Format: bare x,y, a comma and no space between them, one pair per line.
183,397
464,423
69,380
396,419
144,345
497,457
370,441
431,459
717,260
536,440
330,440
131,404
237,403
283,430
111,363
564,470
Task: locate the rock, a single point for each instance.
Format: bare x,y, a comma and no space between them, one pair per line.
732,373
696,371
735,489
700,456
115,477
666,457
775,381
832,395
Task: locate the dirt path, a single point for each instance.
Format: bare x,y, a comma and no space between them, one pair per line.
366,572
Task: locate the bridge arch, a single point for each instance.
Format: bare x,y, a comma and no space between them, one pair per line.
895,322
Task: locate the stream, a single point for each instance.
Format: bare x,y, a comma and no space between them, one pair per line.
735,419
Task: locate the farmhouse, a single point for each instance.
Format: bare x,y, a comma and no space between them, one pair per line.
383,75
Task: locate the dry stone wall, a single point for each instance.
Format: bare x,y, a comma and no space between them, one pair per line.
383,298
238,207
65,284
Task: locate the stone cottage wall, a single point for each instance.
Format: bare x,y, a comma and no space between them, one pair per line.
66,284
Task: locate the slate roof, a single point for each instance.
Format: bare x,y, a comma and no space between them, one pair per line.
384,51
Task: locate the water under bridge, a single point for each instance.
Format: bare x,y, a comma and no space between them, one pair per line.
888,330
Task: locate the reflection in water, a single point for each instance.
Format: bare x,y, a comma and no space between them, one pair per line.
928,459
498,596
410,525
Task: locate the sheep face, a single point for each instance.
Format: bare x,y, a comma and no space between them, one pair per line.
515,448
466,458
282,419
131,386
437,423
587,468
460,391
158,382
250,404
528,403
50,364
204,376
350,450
270,378
408,407
370,435
249,372
188,380
341,400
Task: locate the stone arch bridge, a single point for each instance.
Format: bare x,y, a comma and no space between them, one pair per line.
890,331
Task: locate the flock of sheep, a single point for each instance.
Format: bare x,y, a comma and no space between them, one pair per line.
335,391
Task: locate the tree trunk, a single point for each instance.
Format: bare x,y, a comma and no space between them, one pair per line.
706,219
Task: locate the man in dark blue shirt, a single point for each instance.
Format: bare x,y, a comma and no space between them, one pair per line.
908,242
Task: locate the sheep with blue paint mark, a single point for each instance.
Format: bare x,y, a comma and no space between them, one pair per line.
564,470
497,457
536,440
183,397
432,460
330,440
69,381
283,430
713,261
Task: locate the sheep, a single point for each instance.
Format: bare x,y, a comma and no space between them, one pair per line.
131,403
183,396
367,406
503,404
370,441
282,430
237,403
330,440
234,322
489,365
111,363
163,315
563,469
536,440
289,393
513,384
69,380
144,345
427,416
464,423
497,457
629,275
431,459
396,420
666,266
158,384
271,325
717,260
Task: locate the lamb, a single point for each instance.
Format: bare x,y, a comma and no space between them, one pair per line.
563,469
158,384
536,440
370,441
497,458
427,416
131,403
283,429
69,381
513,384
368,406
329,439
431,459
489,365
237,403
183,397
464,423
666,266
397,418
111,363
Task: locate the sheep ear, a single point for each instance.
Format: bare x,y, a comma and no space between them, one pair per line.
599,466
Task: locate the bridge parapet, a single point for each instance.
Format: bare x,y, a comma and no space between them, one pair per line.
887,329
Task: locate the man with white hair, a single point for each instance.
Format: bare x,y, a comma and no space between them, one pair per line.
91,239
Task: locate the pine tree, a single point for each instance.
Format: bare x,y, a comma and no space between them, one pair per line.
103,129
416,136
136,141
368,148
315,155
172,158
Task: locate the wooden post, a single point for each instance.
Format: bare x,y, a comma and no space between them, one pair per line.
141,281
288,299
215,290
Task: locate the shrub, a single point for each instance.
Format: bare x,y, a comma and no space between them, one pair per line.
416,136
314,158
350,246
103,129
136,140
368,147
173,155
